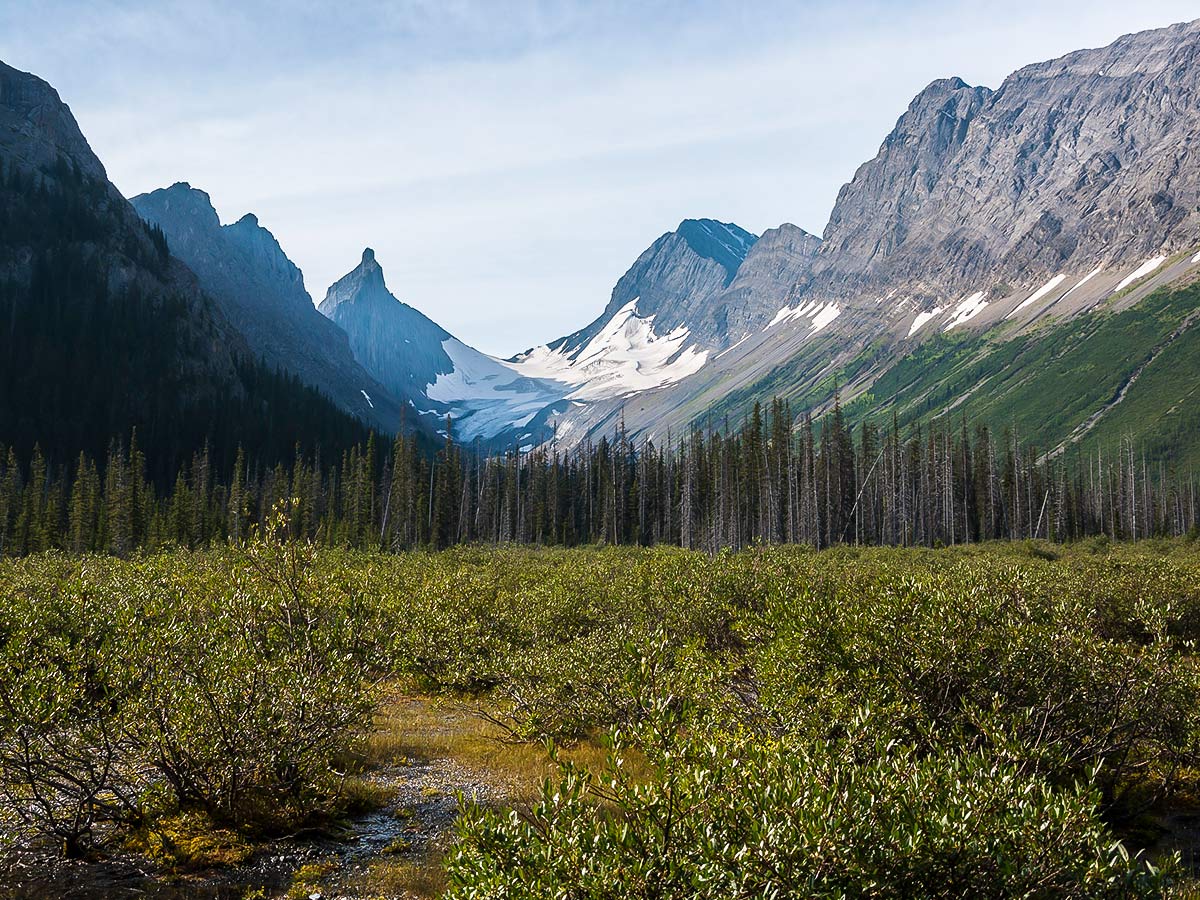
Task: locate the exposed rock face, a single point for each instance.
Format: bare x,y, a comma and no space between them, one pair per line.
1089,158
400,346
677,280
1074,182
775,271
439,376
37,128
876,210
262,293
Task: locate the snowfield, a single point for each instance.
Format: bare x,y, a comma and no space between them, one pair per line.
818,315
967,310
1038,294
1140,272
626,356
825,316
488,396
923,317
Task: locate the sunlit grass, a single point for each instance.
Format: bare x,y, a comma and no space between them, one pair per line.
411,726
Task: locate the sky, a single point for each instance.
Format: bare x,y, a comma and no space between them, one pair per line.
508,161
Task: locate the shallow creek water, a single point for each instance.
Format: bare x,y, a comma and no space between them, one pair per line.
421,813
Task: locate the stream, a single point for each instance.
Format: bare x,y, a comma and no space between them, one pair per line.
419,816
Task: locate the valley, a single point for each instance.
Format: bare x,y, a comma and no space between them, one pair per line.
855,566
774,686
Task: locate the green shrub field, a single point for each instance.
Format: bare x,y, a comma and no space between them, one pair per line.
1000,720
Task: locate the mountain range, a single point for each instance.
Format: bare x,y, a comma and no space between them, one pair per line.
1017,256
107,336
261,292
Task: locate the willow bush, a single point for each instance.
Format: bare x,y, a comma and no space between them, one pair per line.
983,721
67,691
227,683
735,815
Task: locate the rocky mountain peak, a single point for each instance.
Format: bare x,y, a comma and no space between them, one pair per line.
243,267
397,344
785,235
190,207
675,280
37,129
776,268
782,256
263,250
723,242
872,215
1072,163
364,283
935,122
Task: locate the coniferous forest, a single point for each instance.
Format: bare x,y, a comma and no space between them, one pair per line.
103,334
771,481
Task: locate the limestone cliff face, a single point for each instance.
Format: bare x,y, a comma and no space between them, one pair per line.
1076,181
776,270
678,279
262,293
1087,159
877,211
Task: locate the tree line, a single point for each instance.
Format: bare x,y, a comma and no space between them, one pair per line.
774,479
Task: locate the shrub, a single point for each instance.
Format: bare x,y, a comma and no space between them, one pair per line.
236,678
255,679
979,654
66,762
733,815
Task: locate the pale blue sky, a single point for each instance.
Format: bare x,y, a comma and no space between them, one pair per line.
508,161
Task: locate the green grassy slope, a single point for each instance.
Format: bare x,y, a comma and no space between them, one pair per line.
1138,367
1141,366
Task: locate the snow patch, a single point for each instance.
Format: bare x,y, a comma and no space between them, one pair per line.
782,316
1082,281
486,395
923,317
624,357
1196,258
1038,294
366,397
819,316
732,348
825,316
967,310
1140,272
